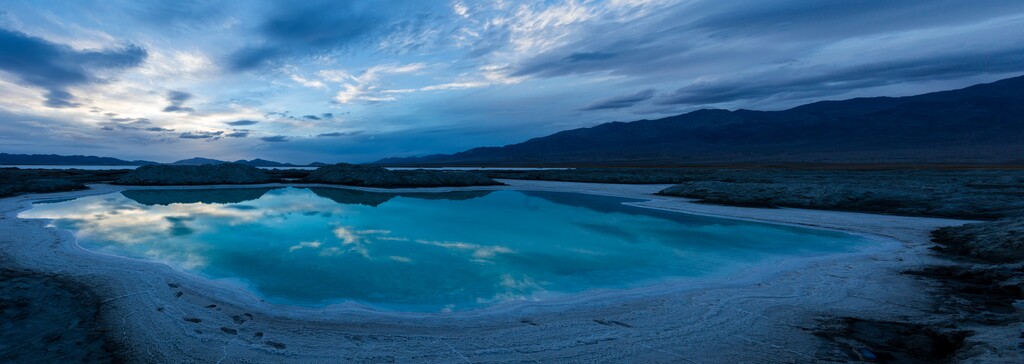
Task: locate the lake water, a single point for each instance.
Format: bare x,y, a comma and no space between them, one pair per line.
423,251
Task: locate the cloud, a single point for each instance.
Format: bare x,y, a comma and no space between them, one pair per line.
808,81
275,139
242,122
364,87
56,67
237,134
308,82
311,117
620,102
177,101
338,134
308,28
158,129
212,135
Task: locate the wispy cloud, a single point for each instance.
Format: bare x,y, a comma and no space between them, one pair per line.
620,102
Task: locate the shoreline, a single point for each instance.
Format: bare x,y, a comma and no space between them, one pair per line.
250,329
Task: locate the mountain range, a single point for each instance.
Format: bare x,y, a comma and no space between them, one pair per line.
54,159
978,124
84,160
255,162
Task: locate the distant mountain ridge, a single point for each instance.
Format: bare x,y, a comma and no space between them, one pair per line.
255,162
83,160
978,124
53,159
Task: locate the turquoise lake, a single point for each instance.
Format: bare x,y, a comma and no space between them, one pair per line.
423,251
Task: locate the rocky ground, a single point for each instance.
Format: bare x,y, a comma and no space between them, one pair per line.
206,174
17,181
368,176
48,319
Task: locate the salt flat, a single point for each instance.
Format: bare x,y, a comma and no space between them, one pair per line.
768,312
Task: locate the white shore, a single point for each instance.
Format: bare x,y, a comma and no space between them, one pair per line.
761,315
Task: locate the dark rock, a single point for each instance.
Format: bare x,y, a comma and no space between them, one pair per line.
942,193
368,176
226,173
35,312
14,181
1000,241
887,341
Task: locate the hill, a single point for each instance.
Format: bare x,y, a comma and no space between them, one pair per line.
978,124
64,160
255,162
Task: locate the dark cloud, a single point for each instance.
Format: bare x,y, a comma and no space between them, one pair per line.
305,28
55,67
620,102
158,129
211,135
310,117
588,56
275,139
317,27
816,80
237,134
179,13
130,124
726,36
338,134
253,57
59,99
242,122
177,101
327,115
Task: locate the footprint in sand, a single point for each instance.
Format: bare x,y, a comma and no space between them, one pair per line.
241,319
193,320
228,330
613,323
528,321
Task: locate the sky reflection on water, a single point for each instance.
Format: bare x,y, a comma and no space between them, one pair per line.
422,251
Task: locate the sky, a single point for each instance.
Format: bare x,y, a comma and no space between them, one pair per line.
355,81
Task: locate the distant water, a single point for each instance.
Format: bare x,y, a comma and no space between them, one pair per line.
479,168
422,252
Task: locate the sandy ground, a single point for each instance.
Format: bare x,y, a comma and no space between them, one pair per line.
157,314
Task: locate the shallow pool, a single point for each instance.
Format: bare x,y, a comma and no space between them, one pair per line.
423,251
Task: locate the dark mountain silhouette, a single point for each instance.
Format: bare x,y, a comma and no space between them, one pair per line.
255,162
978,124
196,161
264,163
53,159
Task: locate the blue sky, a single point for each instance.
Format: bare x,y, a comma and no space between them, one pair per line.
359,80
